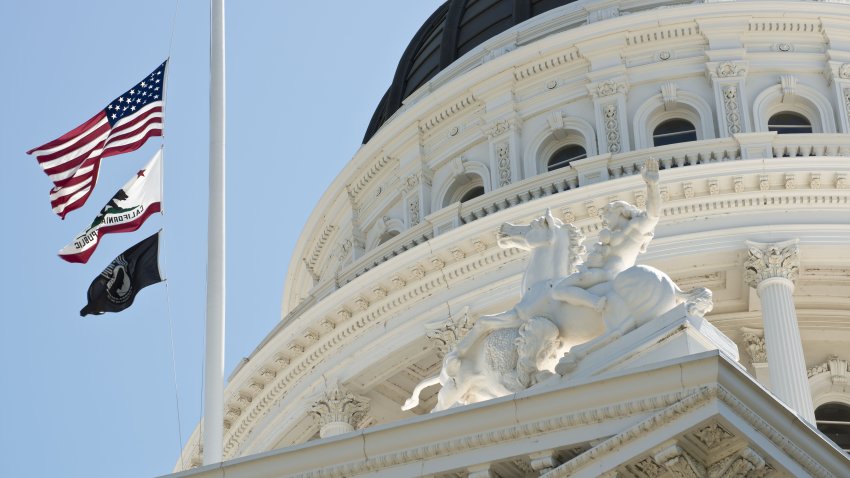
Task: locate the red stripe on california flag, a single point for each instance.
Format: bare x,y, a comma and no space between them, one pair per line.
135,224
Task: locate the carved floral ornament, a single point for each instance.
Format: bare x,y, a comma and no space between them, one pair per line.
767,261
844,71
729,69
339,405
610,87
501,127
756,347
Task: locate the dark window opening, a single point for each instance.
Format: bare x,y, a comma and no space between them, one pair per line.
833,420
472,194
564,156
387,236
789,123
674,131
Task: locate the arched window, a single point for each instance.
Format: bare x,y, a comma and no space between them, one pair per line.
788,122
673,131
472,193
833,420
387,236
564,156
464,187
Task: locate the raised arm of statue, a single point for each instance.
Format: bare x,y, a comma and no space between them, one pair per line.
653,194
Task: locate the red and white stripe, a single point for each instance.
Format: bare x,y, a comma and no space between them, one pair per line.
72,161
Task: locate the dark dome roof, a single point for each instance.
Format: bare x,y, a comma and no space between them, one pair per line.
455,28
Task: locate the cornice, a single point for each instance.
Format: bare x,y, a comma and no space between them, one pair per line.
676,403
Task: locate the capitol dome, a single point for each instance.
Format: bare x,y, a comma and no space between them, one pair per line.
456,28
508,111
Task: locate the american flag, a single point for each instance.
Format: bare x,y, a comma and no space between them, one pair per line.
72,161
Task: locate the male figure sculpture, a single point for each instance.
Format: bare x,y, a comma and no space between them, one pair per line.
626,233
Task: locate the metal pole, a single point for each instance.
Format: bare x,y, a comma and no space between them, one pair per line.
214,356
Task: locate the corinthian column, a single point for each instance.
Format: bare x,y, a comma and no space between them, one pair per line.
772,269
337,411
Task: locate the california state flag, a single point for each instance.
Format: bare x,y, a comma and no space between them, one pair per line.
125,212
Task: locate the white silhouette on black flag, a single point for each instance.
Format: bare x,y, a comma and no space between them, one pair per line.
116,287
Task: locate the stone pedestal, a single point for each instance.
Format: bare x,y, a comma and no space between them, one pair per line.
771,269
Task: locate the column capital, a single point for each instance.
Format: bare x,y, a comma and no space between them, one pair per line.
338,411
771,260
754,339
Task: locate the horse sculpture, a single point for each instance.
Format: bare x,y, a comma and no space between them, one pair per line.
585,318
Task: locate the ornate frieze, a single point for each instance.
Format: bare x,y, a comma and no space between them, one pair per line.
764,261
338,411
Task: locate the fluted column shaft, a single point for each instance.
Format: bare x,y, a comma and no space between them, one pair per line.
771,269
784,346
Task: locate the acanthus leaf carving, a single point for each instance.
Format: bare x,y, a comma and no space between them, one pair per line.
766,261
337,410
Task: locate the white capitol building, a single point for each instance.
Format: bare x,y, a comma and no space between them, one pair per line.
502,110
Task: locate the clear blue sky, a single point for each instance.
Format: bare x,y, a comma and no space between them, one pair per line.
94,396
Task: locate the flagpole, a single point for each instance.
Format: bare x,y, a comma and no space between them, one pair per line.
214,356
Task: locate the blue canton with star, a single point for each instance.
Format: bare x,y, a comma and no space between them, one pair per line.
146,91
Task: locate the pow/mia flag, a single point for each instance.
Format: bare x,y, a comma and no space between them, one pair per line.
116,287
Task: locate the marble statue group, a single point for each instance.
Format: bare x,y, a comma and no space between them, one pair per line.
573,302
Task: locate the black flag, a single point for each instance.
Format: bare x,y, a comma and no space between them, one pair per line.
116,287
